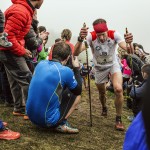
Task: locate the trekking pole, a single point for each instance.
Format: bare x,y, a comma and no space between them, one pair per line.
131,64
130,43
89,87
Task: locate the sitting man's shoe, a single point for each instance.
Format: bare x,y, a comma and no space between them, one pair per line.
7,134
104,112
66,128
4,42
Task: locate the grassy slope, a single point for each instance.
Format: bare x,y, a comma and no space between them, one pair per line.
101,136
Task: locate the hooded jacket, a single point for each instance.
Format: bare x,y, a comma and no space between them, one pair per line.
18,19
32,40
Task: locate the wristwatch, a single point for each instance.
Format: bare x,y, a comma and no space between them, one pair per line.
80,39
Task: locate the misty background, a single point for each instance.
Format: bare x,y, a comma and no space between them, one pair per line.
57,15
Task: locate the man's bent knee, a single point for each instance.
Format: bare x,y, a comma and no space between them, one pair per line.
118,90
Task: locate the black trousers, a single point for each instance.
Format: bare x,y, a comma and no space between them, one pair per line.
5,87
68,98
19,77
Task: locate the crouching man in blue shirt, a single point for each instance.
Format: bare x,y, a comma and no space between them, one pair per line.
53,90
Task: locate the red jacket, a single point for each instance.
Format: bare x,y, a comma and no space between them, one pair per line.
68,42
18,18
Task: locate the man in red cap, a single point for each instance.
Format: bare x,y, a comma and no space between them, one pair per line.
103,44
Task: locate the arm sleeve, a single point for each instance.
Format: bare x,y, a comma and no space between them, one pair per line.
74,81
118,38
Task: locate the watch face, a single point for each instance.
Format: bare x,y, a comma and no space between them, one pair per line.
80,39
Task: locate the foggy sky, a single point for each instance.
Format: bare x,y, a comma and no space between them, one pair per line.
119,14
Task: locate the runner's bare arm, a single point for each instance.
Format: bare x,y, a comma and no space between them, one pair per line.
80,46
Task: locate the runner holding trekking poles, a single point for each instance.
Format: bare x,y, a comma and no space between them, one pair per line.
103,44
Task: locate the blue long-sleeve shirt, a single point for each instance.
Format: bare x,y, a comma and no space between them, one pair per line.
45,91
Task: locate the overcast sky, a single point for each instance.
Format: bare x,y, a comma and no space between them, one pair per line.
119,14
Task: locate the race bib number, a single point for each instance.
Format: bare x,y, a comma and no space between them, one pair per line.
104,60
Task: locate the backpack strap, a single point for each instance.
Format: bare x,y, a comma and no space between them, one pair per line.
94,36
111,34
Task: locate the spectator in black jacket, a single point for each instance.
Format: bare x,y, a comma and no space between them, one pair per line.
137,92
33,42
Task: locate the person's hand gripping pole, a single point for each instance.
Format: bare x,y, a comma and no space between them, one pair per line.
129,39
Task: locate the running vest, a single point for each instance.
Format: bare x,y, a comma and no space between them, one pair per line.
104,55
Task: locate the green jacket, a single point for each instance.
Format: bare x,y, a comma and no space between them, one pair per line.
42,55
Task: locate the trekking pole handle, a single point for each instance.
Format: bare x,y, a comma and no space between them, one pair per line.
130,43
85,42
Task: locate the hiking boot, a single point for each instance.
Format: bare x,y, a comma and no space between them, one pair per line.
119,126
18,113
25,117
104,112
4,42
7,134
66,128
